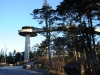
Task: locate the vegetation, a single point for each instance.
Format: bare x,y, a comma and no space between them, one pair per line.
14,57
79,41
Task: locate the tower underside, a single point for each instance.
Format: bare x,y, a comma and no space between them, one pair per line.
27,47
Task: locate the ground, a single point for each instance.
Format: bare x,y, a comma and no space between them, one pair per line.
18,70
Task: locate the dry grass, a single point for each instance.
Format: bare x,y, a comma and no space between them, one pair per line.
58,64
41,62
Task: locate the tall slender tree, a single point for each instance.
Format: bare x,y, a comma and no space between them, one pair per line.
45,15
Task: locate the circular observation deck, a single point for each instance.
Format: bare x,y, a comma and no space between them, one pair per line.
27,30
97,31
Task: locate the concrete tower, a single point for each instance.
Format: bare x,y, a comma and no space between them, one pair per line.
27,32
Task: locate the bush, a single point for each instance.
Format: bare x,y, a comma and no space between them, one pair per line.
41,62
57,66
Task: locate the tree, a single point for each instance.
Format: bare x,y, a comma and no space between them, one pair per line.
14,52
89,11
2,55
10,58
18,57
22,56
82,13
98,51
31,55
45,14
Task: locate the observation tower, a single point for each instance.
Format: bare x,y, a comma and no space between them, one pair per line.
27,32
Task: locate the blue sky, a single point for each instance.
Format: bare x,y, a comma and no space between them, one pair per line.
13,15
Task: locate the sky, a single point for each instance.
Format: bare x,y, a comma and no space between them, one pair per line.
14,14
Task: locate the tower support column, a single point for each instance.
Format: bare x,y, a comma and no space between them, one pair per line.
27,47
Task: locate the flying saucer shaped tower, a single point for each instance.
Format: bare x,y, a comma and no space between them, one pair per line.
27,32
